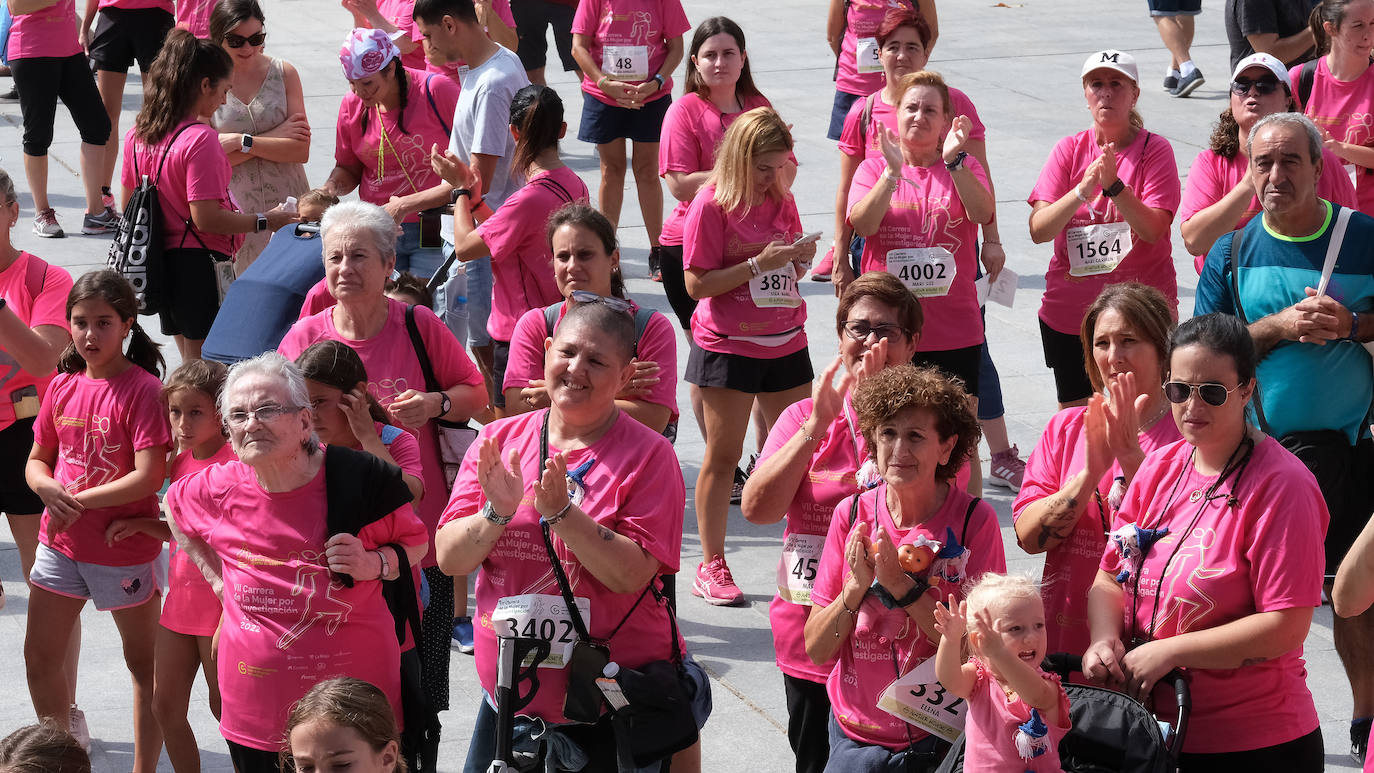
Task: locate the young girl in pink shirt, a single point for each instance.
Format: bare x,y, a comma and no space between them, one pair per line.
98,459
1338,97
191,612
1017,712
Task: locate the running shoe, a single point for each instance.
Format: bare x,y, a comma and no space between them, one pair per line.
79,730
462,635
104,223
10,97
1170,82
821,273
46,226
1187,84
716,585
1007,470
737,488
655,264
1359,737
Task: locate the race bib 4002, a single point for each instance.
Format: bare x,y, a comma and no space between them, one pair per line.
927,271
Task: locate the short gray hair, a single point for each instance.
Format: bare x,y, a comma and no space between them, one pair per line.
271,365
1314,135
7,196
361,216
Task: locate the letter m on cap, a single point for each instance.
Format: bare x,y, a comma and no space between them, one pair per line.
1114,57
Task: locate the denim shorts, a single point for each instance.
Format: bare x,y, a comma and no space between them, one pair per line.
843,101
110,587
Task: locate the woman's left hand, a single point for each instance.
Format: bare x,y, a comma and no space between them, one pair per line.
1145,665
958,136
414,408
994,258
355,410
642,382
1106,173
551,489
892,150
345,554
1122,413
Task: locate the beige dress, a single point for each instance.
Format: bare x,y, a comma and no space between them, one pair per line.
258,184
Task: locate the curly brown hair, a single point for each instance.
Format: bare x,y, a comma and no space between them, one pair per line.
1226,139
882,397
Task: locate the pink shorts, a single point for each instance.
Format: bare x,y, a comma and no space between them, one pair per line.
191,606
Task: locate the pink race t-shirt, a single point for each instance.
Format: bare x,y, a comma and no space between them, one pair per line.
521,259
629,38
97,426
862,142
317,300
744,320
859,71
658,345
401,14
194,16
398,166
628,481
1343,109
288,623
454,70
191,607
1212,177
1147,166
196,170
692,128
49,31
49,307
991,727
829,478
866,665
392,368
1071,567
928,214
1224,564
130,5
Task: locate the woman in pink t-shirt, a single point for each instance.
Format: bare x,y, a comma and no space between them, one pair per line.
1341,95
867,613
201,224
852,30
99,457
1215,567
807,466
586,266
1106,198
586,485
1086,457
1220,196
743,257
521,262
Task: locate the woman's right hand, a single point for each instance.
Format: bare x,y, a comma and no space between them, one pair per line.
451,168
278,217
535,395
1090,184
827,397
857,556
1098,456
776,255
1102,662
623,93
62,506
502,486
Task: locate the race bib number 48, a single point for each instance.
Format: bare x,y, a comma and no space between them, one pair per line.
927,271
541,616
1097,249
626,63
776,288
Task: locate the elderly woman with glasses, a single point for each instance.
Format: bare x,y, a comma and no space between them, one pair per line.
1215,566
300,573
1220,196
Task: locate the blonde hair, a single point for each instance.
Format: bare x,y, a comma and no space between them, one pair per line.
991,588
927,78
758,131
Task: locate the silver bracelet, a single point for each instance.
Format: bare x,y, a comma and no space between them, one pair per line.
553,520
386,565
489,513
753,264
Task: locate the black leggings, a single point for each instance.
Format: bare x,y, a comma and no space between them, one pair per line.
436,629
41,81
675,284
1300,755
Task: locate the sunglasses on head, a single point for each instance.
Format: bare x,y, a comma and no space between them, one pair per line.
1212,394
616,304
239,41
1263,86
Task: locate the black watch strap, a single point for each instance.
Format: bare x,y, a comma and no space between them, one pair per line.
459,193
1115,189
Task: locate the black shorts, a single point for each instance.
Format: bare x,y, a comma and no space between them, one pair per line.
964,364
192,292
747,374
675,285
250,760
16,498
603,123
1174,7
41,81
500,357
123,36
1064,355
1345,476
532,19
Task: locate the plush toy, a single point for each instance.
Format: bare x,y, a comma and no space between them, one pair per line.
1133,543
867,476
952,560
916,553
876,621
1032,738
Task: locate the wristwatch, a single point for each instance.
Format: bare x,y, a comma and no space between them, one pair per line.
489,513
958,162
260,224
913,595
458,193
1115,189
445,404
246,143
661,80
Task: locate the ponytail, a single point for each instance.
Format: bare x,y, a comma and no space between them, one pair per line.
1332,11
144,352
537,112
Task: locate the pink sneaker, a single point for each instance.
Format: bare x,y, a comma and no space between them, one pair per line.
1007,469
821,273
715,584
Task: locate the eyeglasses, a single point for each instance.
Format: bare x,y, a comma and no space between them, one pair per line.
860,330
1263,87
1212,394
615,304
239,41
265,414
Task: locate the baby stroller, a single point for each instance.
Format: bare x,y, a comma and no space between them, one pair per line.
261,305
1112,733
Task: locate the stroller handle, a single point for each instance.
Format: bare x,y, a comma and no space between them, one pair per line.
1065,664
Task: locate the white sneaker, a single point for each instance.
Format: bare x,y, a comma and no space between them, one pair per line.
79,730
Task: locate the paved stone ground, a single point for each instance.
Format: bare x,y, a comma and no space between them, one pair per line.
1019,62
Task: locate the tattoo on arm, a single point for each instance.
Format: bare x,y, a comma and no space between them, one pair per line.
1252,661
604,533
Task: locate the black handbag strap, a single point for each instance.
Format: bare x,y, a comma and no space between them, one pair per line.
405,597
418,343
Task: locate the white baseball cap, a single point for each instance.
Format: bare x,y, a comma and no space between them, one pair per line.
1111,59
1267,62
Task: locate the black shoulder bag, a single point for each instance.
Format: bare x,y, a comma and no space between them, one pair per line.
454,437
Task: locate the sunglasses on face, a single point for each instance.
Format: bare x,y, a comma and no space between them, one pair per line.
860,330
1212,394
239,41
616,304
1263,87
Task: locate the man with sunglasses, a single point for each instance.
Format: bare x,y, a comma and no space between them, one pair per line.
1309,320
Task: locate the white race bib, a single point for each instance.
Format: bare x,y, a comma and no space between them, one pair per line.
919,699
1097,249
866,56
801,556
927,271
1353,171
541,616
776,288
224,276
626,63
